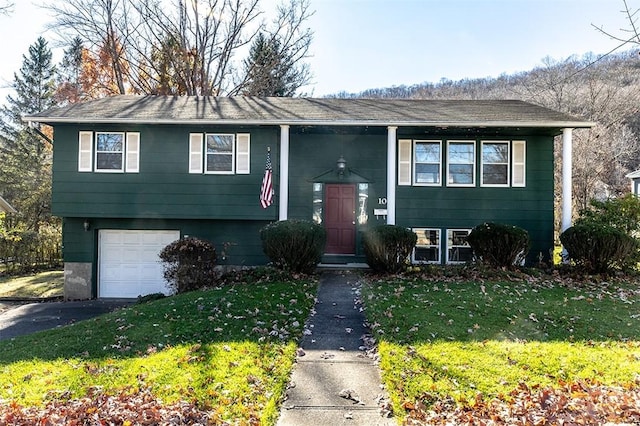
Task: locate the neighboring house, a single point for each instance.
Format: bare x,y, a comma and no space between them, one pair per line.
5,207
635,182
131,174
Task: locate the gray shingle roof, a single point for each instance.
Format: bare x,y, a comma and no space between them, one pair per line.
308,111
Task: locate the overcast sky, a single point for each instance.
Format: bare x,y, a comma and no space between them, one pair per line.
363,44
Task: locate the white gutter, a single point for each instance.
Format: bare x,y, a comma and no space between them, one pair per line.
283,198
391,175
298,122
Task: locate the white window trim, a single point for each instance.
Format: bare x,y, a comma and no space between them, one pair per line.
85,155
475,153
405,165
123,152
132,150
508,164
233,155
414,162
195,152
520,163
438,247
447,247
243,156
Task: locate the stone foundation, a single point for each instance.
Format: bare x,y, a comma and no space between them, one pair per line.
77,280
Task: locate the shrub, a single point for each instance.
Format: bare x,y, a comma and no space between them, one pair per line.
620,213
294,245
189,264
598,248
499,245
387,247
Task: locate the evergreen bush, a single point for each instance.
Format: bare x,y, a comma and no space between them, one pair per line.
189,264
599,248
294,245
498,245
387,247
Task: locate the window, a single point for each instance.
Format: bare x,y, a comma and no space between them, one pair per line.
109,152
113,152
318,195
495,163
427,248
421,163
458,249
219,153
428,161
461,163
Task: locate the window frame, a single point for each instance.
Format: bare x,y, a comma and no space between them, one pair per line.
122,152
473,164
448,246
415,162
232,154
508,164
437,247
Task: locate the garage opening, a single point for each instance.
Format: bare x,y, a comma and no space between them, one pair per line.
128,262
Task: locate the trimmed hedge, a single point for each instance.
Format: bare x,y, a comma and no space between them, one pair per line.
498,245
189,264
294,245
387,247
599,248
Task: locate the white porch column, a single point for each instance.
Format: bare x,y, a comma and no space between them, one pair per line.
391,175
283,198
566,178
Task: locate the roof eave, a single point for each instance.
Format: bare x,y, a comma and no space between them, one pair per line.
492,124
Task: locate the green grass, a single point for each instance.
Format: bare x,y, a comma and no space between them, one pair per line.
440,340
43,284
229,350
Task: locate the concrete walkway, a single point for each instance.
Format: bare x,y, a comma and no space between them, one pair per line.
336,380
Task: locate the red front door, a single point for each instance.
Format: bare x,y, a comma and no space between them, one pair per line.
340,218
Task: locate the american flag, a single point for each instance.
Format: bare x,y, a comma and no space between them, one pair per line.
266,191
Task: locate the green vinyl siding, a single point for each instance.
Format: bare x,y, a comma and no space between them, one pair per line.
163,188
530,207
237,242
314,154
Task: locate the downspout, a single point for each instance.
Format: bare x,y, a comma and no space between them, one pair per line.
283,198
566,178
391,175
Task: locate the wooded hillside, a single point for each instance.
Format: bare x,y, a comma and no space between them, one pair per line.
603,90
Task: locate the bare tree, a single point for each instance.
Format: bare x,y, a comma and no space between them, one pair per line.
6,8
629,34
177,47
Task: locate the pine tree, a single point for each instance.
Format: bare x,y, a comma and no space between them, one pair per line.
70,88
25,151
270,71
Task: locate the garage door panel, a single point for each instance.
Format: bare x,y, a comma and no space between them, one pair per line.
128,262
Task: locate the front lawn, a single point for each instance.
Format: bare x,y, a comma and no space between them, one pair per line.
42,284
225,354
452,345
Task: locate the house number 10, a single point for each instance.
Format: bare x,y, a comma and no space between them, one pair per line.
382,201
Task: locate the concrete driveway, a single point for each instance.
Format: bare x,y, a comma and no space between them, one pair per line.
17,318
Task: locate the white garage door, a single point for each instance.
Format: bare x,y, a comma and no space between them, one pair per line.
128,262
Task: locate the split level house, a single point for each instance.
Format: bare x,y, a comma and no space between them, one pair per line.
134,173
